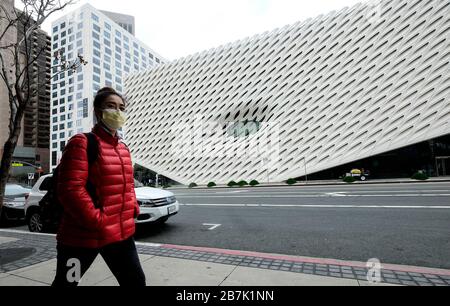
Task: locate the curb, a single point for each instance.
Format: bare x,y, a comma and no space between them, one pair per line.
316,184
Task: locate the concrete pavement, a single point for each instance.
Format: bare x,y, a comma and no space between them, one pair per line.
170,265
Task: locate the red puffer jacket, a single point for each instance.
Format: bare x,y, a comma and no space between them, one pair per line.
82,224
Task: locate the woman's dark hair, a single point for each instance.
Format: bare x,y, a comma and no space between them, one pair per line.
103,94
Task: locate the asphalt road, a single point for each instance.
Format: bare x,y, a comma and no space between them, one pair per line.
399,224
405,224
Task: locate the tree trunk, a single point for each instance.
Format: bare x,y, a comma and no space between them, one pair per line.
8,152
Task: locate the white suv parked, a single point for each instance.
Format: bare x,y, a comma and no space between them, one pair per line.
156,205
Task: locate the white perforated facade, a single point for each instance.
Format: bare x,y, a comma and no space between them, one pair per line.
301,99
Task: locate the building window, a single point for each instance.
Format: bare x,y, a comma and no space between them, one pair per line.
94,17
85,108
79,122
96,28
54,157
96,36
55,120
107,35
118,34
55,29
55,145
108,26
63,25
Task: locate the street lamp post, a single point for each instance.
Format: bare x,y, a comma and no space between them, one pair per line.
306,173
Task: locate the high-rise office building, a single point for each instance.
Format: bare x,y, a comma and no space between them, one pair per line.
125,21
111,52
33,143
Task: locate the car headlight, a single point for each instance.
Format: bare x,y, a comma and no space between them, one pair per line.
14,204
171,200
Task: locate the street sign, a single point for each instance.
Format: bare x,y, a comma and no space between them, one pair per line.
31,176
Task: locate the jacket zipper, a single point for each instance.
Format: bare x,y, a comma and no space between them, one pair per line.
123,193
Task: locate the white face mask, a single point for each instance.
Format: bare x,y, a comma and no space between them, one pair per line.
113,119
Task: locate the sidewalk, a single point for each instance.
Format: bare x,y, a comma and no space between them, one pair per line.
442,179
28,259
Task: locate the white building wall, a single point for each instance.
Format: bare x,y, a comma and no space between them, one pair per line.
325,92
87,22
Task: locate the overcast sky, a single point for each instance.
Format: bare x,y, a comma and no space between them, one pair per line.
177,28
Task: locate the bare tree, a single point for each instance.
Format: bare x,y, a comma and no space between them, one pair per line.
16,61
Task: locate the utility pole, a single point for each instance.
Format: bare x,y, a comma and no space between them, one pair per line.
306,173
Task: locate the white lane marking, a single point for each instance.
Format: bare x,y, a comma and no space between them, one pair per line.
336,194
318,206
321,195
212,226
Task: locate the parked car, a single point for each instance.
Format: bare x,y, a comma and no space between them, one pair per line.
156,205
359,174
14,202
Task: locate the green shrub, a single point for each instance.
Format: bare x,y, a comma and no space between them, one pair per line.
242,183
193,185
232,184
211,184
420,176
291,181
254,183
349,179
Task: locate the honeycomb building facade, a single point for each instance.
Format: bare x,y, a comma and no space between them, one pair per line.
298,100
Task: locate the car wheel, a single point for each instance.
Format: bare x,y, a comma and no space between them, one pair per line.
363,178
35,224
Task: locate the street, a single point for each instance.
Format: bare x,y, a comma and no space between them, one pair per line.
406,224
402,224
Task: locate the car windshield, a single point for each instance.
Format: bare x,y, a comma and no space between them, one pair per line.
138,184
13,189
